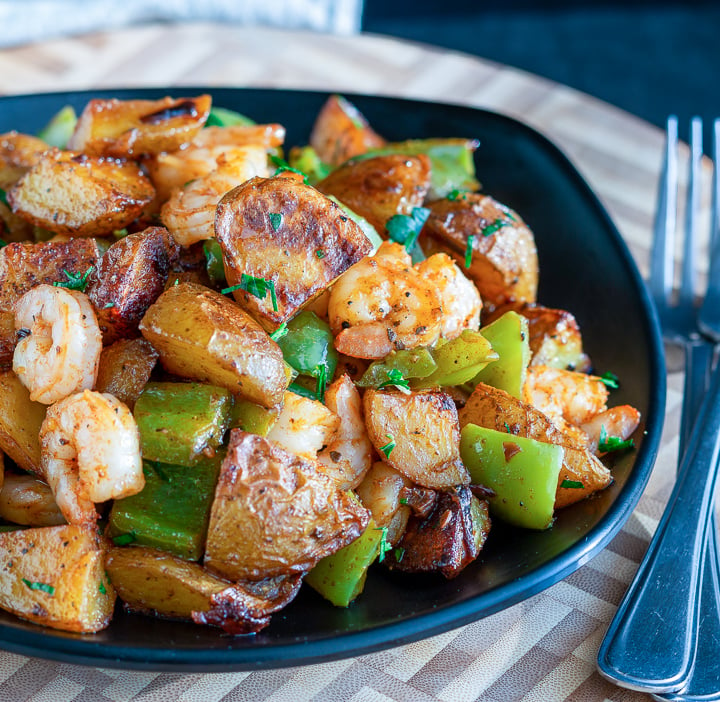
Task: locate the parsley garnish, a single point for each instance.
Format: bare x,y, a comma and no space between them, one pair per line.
469,250
276,219
40,586
302,391
494,226
101,588
395,377
2,243
606,443
456,195
124,539
507,428
283,165
108,305
405,229
255,286
321,375
403,500
399,553
74,281
320,253
384,544
389,446
280,332
3,198
610,380
571,484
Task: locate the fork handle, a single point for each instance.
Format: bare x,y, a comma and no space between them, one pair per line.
650,644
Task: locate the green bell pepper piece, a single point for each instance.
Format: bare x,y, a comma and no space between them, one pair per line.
510,338
523,474
306,159
171,512
340,577
221,117
214,261
178,422
308,345
252,418
411,363
59,129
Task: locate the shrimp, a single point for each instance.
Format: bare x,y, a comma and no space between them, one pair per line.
89,453
349,455
189,214
382,303
617,422
59,349
459,297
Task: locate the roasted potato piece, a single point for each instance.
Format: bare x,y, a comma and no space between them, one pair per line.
25,265
341,132
122,128
190,266
381,492
70,193
125,369
18,154
288,235
449,538
160,584
128,278
20,422
12,227
496,409
424,429
26,500
200,334
55,576
504,262
379,187
276,513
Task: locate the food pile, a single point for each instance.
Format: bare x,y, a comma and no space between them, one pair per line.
227,369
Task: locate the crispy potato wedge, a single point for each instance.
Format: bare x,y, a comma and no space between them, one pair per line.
26,500
128,278
379,187
381,491
55,576
276,513
504,264
70,193
203,335
496,409
424,428
160,584
18,154
20,422
285,232
125,369
122,128
341,132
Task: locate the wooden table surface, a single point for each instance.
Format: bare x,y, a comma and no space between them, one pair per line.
542,649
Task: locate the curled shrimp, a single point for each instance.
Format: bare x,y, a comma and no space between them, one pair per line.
90,452
382,303
460,299
189,214
59,349
617,422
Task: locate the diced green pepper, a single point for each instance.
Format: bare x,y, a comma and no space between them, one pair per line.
171,512
459,360
453,167
221,117
178,422
523,474
411,363
370,232
340,577
306,159
214,261
252,418
59,129
308,345
509,337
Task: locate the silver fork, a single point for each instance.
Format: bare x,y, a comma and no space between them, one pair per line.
652,641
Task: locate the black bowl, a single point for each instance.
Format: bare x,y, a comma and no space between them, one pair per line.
584,266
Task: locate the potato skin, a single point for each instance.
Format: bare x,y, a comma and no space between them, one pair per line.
275,513
20,422
496,409
78,195
18,154
125,369
67,559
129,277
379,187
424,426
504,264
311,243
203,335
27,500
122,128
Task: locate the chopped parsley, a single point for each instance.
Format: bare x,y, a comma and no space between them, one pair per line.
395,377
403,500
3,198
571,484
469,250
399,553
606,443
276,219
494,226
384,544
44,587
320,253
321,376
280,332
108,305
389,446
2,243
507,428
255,286
102,588
74,281
283,165
610,380
457,195
124,539
405,229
